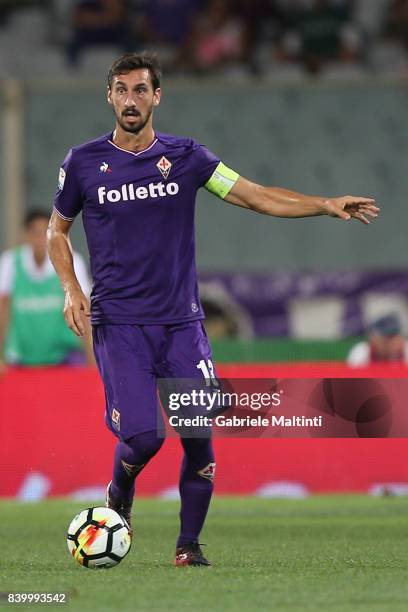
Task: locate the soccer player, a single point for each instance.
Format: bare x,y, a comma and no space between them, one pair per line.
136,189
32,327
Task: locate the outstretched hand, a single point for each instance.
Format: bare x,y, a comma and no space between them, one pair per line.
76,304
352,207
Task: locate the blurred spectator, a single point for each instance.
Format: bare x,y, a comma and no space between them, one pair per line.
207,35
7,7
318,32
218,321
257,17
170,23
224,317
219,37
385,344
32,327
396,22
97,22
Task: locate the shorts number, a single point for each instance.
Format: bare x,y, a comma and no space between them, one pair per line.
207,368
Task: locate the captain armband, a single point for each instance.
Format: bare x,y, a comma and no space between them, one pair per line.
222,181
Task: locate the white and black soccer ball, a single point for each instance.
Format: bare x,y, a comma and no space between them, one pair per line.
98,538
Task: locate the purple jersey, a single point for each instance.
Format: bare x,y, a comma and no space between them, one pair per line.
138,215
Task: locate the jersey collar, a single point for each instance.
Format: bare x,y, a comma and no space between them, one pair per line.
135,154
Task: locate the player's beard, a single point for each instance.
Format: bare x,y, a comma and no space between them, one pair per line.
134,129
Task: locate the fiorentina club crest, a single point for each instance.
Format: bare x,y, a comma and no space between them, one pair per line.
116,419
132,470
208,472
164,166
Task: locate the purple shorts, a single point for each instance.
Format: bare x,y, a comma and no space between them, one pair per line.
131,358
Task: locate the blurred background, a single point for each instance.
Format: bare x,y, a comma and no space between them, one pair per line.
310,95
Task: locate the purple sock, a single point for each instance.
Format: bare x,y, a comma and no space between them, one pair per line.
196,487
130,458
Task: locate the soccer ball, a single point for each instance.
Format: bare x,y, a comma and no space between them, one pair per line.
98,538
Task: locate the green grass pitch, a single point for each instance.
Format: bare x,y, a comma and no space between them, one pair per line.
332,554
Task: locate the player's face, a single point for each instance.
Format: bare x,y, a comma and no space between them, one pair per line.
36,237
133,99
387,347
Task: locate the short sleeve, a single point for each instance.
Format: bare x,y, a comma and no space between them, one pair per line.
359,355
7,271
68,198
205,163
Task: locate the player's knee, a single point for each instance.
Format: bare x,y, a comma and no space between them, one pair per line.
145,445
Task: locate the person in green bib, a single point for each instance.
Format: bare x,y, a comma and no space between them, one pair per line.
32,327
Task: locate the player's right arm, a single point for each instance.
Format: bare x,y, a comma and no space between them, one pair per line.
60,252
67,204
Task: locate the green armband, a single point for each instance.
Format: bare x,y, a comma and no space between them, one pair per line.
222,181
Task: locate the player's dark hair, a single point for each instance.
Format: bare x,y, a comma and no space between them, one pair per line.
135,61
34,214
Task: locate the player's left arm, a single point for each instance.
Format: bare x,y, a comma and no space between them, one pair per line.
278,202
